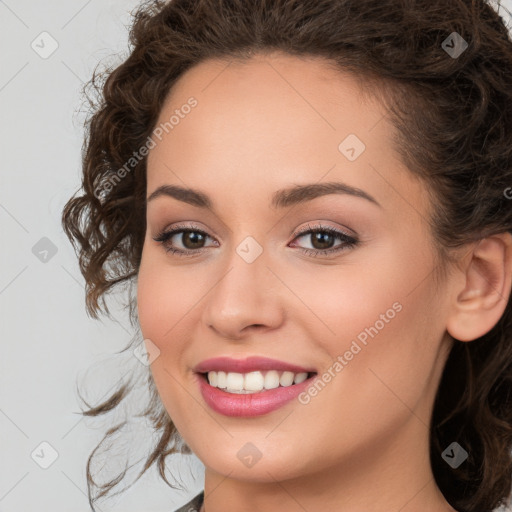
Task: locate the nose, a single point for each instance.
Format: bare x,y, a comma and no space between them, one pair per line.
246,298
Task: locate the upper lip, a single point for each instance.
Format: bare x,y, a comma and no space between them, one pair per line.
250,364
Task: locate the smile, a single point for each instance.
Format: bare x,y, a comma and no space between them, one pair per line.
235,400
254,382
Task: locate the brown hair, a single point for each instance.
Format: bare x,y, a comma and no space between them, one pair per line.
453,116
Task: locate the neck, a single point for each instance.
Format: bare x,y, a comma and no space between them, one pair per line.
392,473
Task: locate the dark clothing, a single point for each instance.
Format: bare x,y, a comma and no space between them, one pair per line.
193,505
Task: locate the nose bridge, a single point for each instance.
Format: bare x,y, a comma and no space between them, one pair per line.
245,293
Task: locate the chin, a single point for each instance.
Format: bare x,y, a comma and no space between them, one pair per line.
248,464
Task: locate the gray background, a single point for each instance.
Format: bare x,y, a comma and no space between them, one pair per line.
49,345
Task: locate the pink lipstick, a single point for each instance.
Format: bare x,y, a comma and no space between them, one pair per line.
247,403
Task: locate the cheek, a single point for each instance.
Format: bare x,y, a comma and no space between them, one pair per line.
379,317
161,310
153,302
163,297
345,300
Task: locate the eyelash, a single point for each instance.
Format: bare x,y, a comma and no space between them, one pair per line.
349,242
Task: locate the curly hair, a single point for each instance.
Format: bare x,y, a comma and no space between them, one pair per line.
453,116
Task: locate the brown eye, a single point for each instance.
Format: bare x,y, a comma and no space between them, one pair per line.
322,239
192,239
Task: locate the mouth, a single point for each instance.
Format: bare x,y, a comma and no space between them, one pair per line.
254,382
246,395
252,386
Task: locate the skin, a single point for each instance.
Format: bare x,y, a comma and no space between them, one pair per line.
362,443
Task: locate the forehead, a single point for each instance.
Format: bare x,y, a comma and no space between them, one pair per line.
275,120
276,88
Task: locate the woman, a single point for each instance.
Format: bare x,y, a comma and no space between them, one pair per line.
313,200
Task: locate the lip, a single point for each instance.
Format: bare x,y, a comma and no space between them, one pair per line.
250,364
249,405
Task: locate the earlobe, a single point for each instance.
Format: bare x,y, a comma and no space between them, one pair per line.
480,304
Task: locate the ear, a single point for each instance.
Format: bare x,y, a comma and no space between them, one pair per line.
482,298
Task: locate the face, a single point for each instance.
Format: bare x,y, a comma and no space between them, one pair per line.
339,283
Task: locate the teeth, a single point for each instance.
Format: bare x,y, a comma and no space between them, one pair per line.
271,380
300,377
221,379
286,379
234,381
254,382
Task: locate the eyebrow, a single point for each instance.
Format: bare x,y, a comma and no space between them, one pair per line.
281,199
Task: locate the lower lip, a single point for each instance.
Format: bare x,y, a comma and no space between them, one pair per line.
254,404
